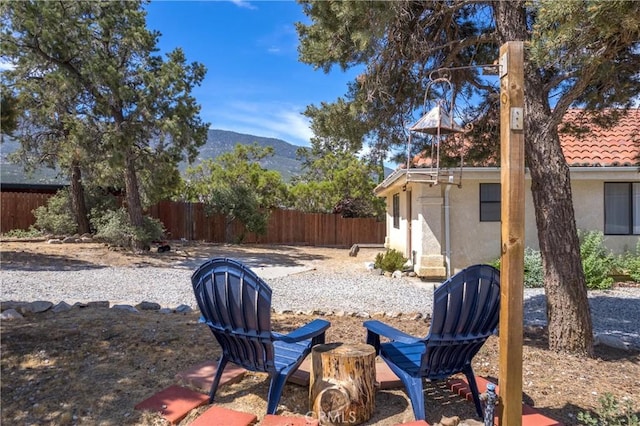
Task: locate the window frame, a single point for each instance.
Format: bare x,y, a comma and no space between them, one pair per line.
396,210
633,215
489,202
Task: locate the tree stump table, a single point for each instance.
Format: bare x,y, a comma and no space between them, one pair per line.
341,390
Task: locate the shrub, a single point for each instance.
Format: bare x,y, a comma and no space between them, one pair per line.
56,216
115,228
610,413
23,233
391,261
597,262
533,273
629,263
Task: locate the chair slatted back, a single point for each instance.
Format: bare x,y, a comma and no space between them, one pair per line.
466,310
236,305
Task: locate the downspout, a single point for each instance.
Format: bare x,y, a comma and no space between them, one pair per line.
447,231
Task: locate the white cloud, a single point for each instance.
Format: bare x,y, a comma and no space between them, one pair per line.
244,4
269,120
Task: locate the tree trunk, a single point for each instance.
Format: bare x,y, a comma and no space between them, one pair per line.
134,205
341,390
568,314
78,204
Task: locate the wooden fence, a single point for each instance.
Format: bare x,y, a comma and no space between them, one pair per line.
189,221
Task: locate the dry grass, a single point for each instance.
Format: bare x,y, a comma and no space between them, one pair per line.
93,365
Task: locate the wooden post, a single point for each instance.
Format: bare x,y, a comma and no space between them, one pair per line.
512,235
341,391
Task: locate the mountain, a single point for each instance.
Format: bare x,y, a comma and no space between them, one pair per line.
218,142
284,158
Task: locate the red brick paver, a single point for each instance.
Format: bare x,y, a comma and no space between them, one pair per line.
201,375
219,416
271,420
530,416
386,378
173,403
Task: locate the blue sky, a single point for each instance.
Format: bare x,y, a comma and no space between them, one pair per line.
254,83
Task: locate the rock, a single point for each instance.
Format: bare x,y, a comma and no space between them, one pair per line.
12,304
165,311
86,235
98,304
449,421
611,341
412,274
40,306
363,315
61,307
86,239
396,274
69,240
340,313
54,241
10,314
184,309
148,306
376,271
369,266
416,316
354,250
127,308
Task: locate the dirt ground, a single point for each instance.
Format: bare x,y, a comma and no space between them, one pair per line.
93,365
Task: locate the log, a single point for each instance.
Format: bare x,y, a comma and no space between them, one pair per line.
341,388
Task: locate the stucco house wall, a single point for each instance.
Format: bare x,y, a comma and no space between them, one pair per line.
471,241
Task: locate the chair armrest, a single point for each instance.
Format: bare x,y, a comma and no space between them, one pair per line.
313,329
382,329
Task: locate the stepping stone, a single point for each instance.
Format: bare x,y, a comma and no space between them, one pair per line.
173,403
272,420
302,376
385,377
218,416
530,416
201,375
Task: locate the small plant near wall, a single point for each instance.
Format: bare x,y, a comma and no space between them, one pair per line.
611,413
392,260
533,273
597,261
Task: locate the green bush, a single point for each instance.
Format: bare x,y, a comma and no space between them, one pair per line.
115,228
610,413
391,261
56,216
533,273
629,263
23,233
597,261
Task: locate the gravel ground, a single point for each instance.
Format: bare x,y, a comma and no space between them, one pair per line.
615,313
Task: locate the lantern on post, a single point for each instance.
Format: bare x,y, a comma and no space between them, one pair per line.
440,129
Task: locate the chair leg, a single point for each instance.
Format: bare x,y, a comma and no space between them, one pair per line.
216,379
471,378
275,391
416,395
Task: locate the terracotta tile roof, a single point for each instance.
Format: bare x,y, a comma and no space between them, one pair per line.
587,144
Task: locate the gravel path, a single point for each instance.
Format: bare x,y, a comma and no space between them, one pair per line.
615,313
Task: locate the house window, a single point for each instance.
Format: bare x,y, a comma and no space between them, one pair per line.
396,211
490,202
622,208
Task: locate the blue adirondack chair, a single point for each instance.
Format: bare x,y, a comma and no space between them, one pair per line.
236,305
466,309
